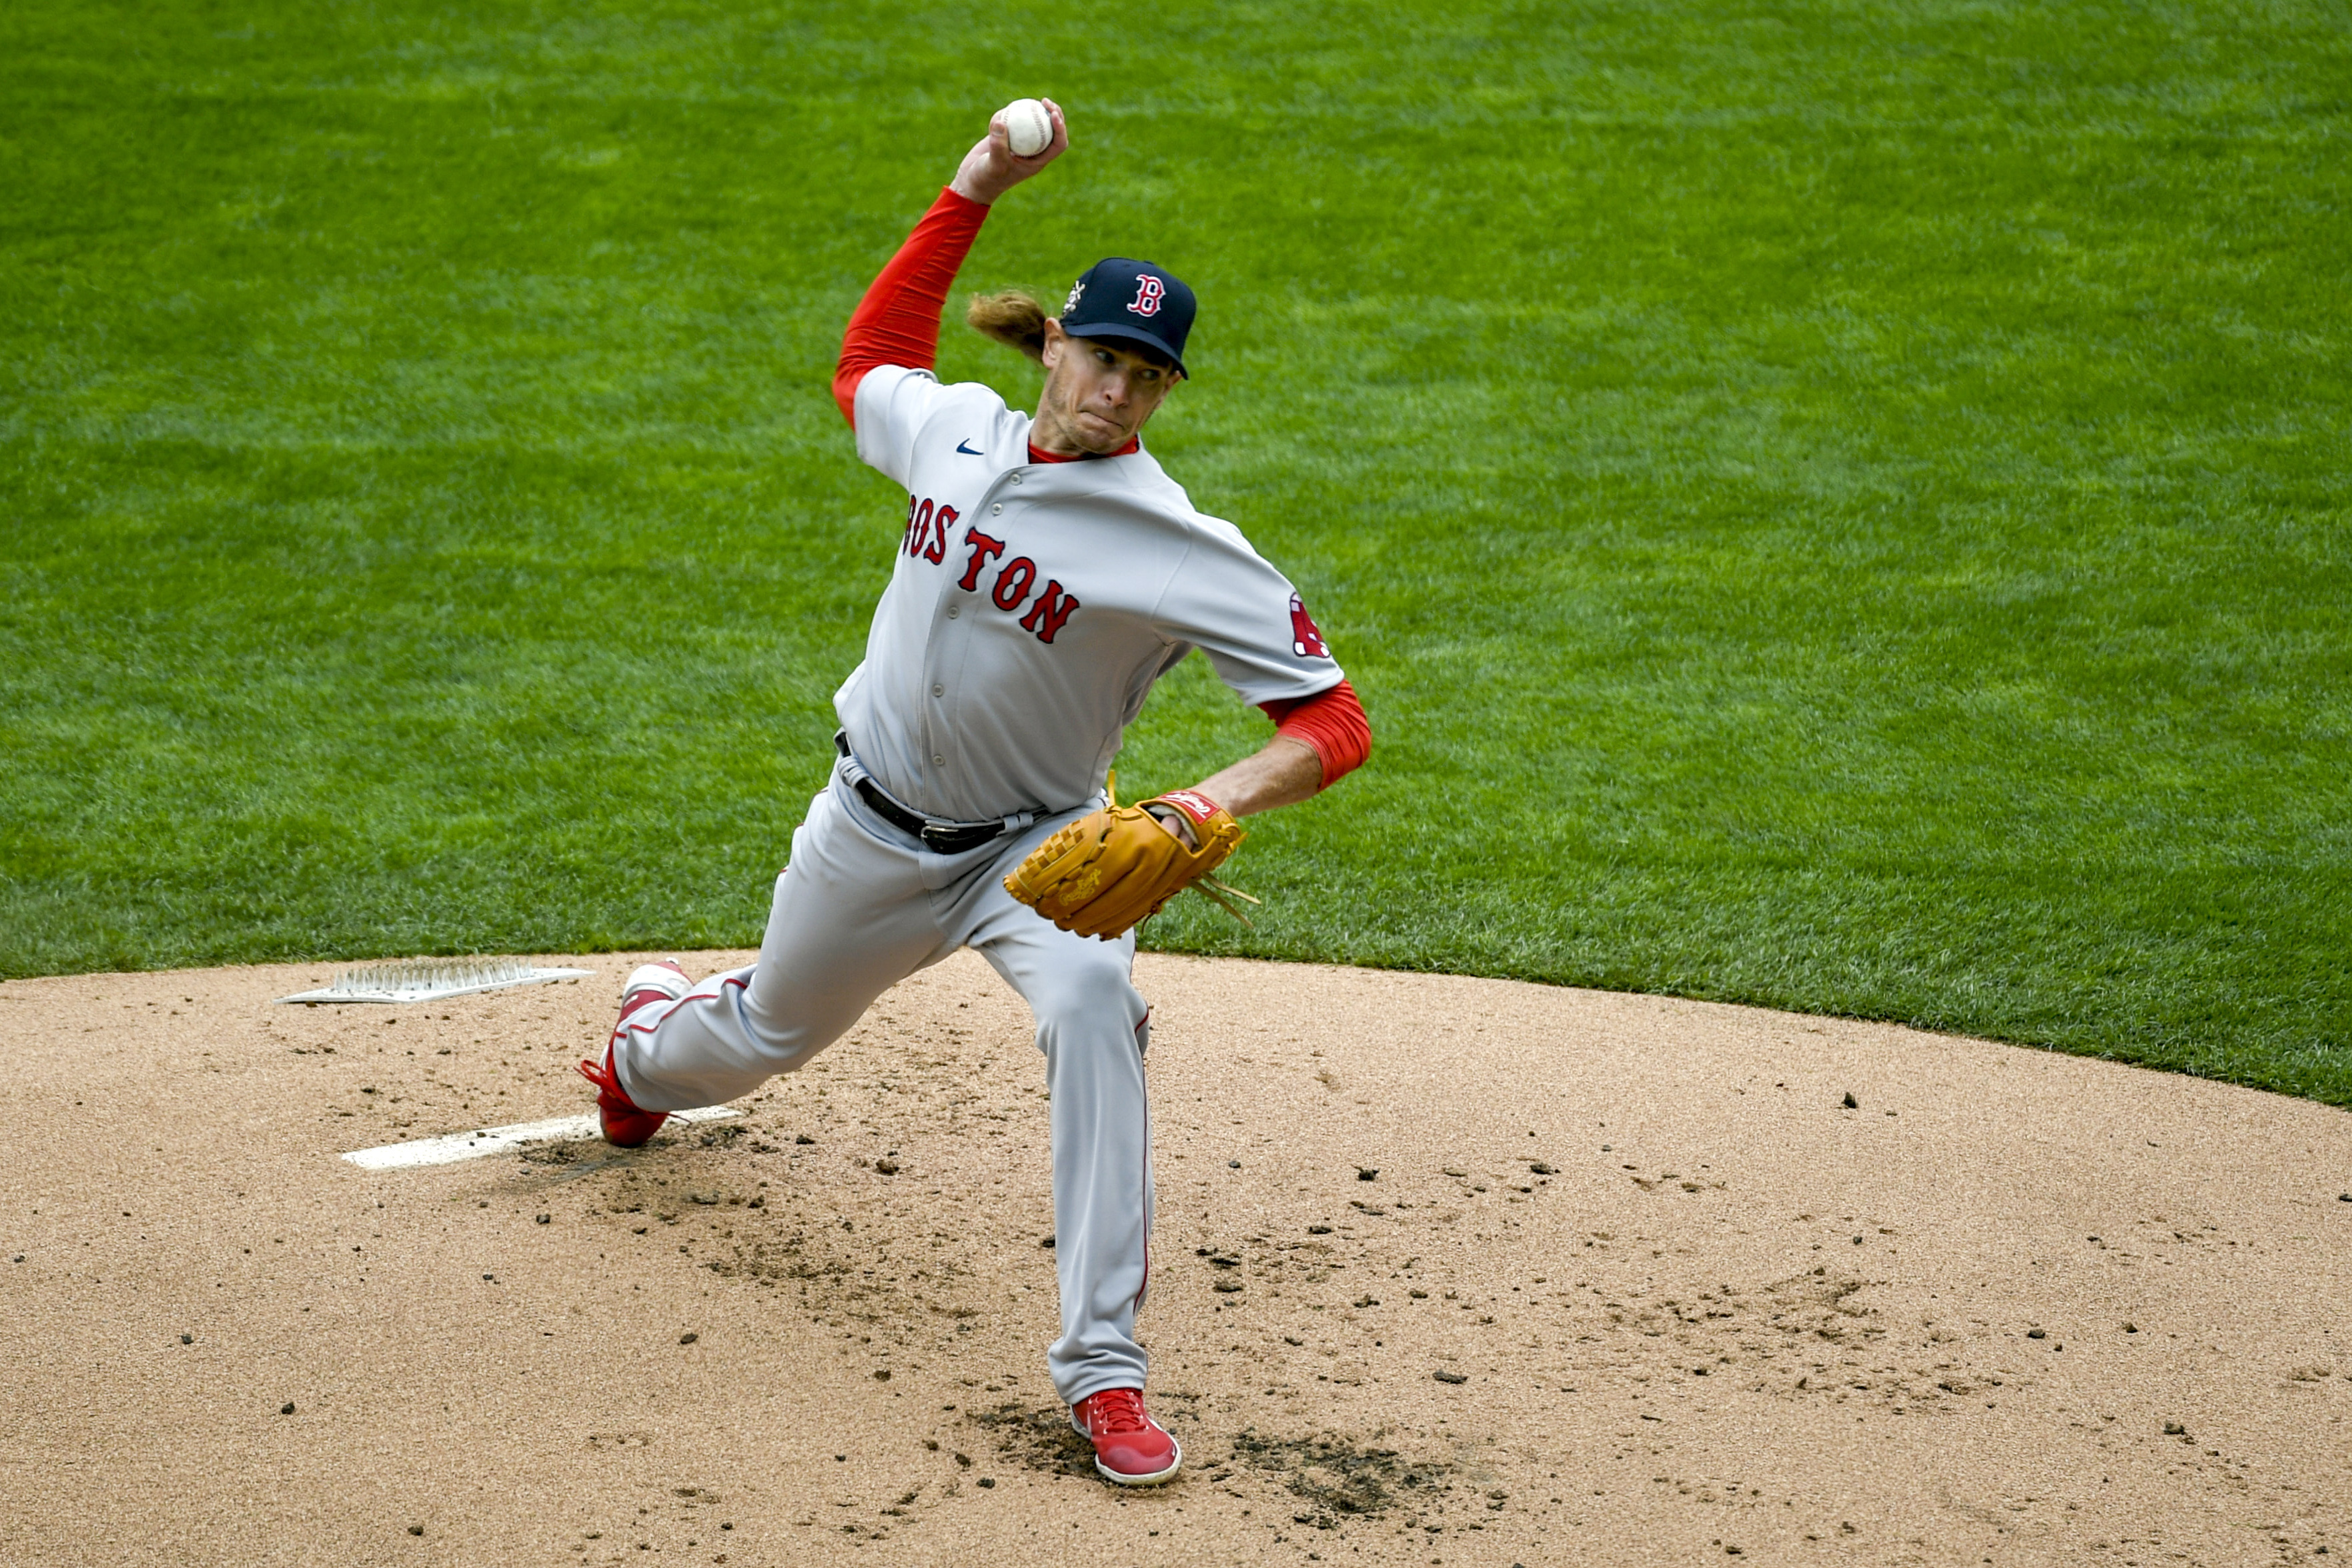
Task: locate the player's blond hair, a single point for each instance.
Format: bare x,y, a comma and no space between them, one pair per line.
1013,318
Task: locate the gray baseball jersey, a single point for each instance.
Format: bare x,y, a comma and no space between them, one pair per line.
1033,606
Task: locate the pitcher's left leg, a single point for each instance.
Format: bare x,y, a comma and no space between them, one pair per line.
1090,1025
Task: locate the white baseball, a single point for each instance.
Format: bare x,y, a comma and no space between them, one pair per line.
1027,126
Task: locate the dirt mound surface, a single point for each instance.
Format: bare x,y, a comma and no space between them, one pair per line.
1445,1271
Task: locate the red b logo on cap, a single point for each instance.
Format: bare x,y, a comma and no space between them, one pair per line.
1149,292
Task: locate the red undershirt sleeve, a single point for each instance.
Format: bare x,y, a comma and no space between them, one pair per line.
1333,722
898,322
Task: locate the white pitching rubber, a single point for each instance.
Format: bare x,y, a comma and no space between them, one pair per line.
450,1148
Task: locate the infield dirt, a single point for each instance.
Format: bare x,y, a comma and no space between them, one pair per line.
1445,1270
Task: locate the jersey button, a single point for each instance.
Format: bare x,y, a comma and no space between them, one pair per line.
996,510
938,691
953,611
938,761
1016,479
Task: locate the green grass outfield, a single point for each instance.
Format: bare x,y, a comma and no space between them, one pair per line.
1840,506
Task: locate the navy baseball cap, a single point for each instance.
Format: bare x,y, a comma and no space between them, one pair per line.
1117,297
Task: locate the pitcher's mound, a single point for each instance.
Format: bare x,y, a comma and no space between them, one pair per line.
1445,1271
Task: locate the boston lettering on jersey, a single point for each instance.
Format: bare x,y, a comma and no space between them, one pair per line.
927,540
926,530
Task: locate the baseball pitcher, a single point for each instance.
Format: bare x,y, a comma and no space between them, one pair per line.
1048,575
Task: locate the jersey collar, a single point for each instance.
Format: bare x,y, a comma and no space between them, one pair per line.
1035,456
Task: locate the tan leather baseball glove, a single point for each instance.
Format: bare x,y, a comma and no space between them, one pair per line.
1111,869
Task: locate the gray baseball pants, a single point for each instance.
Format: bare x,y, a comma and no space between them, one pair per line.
862,906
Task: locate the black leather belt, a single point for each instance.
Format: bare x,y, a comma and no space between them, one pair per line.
939,838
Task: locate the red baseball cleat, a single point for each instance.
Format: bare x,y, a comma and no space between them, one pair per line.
626,1126
1131,1447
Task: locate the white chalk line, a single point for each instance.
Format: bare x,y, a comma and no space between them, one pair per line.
451,1147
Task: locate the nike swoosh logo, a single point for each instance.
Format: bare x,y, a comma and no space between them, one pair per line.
968,452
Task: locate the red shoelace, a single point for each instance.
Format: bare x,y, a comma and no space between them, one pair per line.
1116,1411
603,1078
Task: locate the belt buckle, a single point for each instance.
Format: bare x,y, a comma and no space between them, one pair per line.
939,835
